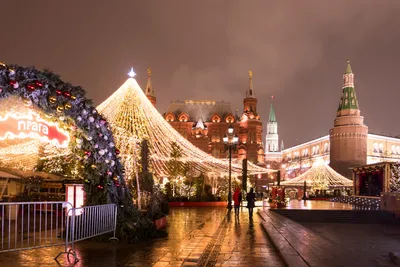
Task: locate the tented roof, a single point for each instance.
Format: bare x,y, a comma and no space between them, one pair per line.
320,173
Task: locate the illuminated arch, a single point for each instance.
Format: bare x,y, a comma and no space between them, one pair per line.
170,117
91,138
216,118
183,117
229,118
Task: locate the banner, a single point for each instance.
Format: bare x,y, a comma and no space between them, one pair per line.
32,126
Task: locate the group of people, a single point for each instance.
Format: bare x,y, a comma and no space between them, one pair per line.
250,198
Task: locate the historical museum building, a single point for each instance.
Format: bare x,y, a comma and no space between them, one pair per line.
348,143
205,122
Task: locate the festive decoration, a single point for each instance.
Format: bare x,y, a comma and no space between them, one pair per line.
15,79
134,118
320,174
394,183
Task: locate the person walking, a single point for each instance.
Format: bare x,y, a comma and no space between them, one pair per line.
237,199
251,198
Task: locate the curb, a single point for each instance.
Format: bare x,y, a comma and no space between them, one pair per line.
289,256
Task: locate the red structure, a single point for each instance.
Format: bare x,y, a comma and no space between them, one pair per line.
205,122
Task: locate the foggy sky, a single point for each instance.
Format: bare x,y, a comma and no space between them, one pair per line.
297,51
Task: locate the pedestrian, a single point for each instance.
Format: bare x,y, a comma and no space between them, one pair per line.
251,197
237,199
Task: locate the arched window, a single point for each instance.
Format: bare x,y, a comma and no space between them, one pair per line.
380,148
376,147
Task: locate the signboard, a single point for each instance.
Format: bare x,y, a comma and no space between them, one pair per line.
75,195
32,126
52,185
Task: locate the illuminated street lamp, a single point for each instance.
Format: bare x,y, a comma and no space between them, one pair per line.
230,141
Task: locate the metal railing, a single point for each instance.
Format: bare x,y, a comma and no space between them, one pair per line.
31,225
87,222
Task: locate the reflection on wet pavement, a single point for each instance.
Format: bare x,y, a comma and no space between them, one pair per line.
197,237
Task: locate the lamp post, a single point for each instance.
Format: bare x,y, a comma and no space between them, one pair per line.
230,141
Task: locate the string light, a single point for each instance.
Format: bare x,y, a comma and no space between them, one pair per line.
134,118
318,175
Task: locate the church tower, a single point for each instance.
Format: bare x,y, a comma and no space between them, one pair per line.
149,91
250,102
272,150
348,137
250,130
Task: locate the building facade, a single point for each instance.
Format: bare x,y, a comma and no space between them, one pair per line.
348,144
205,122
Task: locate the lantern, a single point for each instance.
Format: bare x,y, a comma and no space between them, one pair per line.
75,194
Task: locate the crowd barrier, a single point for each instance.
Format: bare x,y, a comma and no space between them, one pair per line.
32,225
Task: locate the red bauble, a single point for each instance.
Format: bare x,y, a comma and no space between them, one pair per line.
100,187
30,87
58,92
87,153
67,94
38,84
12,82
117,152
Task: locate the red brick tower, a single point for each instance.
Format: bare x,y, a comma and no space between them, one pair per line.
348,137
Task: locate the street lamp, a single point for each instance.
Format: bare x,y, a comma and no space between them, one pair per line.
230,141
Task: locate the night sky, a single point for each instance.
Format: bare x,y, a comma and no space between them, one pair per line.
204,49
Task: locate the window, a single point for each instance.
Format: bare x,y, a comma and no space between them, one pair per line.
394,149
380,148
376,147
317,150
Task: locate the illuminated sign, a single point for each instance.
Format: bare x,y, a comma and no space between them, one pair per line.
32,126
75,195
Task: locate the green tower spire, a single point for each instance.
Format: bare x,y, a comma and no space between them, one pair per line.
272,117
349,98
348,68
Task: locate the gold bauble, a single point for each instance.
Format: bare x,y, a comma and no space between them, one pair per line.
60,109
67,106
53,99
27,102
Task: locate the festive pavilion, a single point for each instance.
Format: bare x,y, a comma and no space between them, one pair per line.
134,118
320,177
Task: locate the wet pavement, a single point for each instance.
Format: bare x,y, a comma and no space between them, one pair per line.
197,237
308,244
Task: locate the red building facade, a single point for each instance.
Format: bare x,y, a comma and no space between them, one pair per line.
204,123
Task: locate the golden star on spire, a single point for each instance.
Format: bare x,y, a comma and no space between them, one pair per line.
250,74
149,71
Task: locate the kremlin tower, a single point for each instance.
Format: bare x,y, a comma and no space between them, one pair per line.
348,137
272,150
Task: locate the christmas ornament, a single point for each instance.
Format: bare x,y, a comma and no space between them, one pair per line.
38,84
30,87
52,99
60,109
67,106
58,92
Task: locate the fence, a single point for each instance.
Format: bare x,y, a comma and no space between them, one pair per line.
361,202
31,225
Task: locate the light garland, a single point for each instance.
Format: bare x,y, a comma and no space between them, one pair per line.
133,118
320,174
